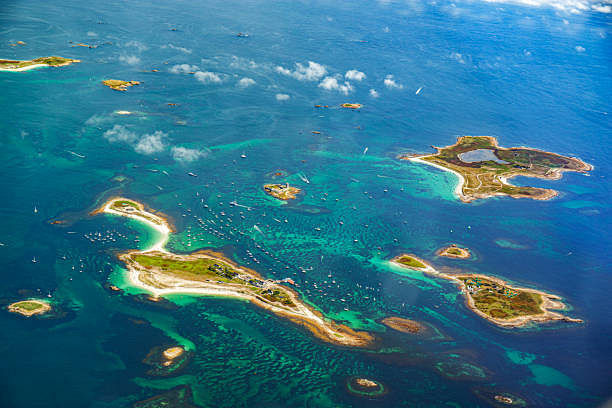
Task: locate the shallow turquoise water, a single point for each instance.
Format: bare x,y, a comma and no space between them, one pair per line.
512,72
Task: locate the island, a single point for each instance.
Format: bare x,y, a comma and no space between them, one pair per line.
365,387
410,261
209,273
453,251
119,85
25,65
499,398
29,307
402,325
166,362
282,191
494,299
352,105
483,168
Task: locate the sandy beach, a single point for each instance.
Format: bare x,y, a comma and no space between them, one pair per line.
29,67
458,188
160,284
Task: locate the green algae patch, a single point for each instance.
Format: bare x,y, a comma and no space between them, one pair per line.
519,357
356,320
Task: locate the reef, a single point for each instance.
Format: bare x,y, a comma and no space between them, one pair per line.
177,397
403,325
484,168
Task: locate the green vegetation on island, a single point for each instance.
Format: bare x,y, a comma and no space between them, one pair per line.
23,65
453,251
500,301
133,209
119,85
29,307
410,261
282,191
484,167
495,300
212,269
209,273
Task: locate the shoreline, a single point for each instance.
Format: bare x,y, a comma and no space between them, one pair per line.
303,315
500,181
29,67
458,192
549,301
164,228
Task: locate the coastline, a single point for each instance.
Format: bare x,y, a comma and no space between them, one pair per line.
301,314
164,228
29,67
500,181
549,301
458,192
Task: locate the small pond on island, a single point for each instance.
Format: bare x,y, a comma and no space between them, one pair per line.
480,155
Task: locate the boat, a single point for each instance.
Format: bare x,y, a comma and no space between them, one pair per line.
34,259
192,174
418,91
82,156
35,210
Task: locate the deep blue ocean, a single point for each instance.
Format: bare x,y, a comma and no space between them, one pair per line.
237,110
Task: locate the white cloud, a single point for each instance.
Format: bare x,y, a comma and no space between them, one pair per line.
184,69
185,154
602,8
140,46
457,57
354,75
246,82
282,97
391,84
312,72
242,63
207,77
149,144
374,94
118,133
174,47
97,120
129,59
567,6
578,48
332,84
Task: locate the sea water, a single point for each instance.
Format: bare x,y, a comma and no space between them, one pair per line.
536,77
